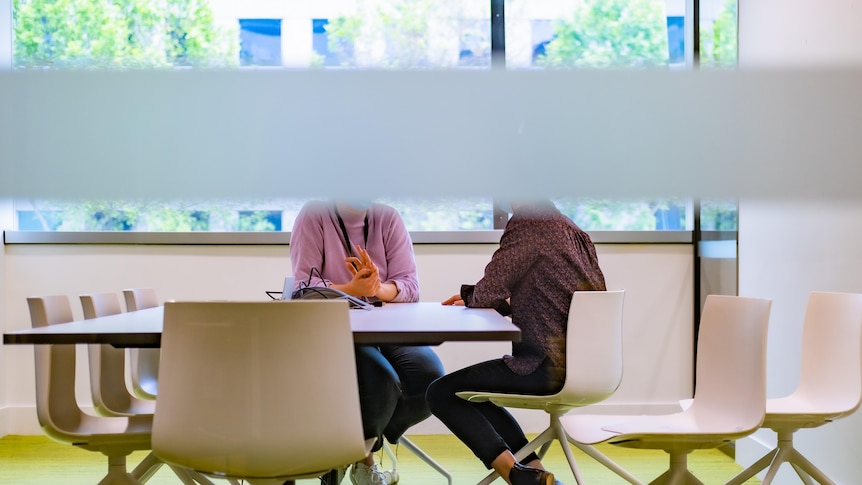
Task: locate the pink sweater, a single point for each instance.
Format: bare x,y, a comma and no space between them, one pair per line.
317,242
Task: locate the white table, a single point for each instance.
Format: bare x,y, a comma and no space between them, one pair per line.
424,323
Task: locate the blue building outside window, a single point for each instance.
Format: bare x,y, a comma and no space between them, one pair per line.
260,42
676,40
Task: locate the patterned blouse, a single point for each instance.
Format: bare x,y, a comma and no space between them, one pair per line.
543,258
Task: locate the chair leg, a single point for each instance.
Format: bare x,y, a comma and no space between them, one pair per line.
424,457
784,452
147,468
671,478
782,455
600,457
544,449
800,462
563,438
186,476
753,469
806,479
590,451
544,438
390,454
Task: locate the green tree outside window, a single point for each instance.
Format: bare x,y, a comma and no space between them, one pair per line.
126,34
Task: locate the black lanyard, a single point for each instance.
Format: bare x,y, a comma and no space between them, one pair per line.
347,245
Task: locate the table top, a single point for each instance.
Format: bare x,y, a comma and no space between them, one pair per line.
423,323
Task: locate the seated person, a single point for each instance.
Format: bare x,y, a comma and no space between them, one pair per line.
542,260
365,250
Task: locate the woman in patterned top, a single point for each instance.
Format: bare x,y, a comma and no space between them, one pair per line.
543,258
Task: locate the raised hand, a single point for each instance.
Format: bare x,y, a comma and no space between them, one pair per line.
366,277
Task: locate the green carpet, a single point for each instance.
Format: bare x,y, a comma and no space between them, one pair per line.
37,460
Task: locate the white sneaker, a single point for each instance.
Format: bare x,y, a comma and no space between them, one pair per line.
362,474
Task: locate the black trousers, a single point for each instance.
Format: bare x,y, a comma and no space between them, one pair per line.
484,427
392,384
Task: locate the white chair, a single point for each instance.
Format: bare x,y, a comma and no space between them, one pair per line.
729,399
260,391
143,363
59,414
594,366
830,385
111,395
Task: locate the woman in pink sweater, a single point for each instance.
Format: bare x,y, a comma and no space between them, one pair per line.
365,250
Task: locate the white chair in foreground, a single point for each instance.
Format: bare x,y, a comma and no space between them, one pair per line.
59,415
729,399
594,367
260,391
830,384
143,363
111,395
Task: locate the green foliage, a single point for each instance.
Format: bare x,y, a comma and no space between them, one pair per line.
124,34
256,221
610,33
396,34
725,35
444,214
166,216
100,215
620,215
343,32
719,215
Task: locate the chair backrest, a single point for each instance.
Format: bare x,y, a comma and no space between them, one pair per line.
730,372
140,298
100,305
56,406
107,363
258,389
144,362
831,374
594,346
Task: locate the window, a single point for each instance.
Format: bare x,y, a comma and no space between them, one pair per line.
384,34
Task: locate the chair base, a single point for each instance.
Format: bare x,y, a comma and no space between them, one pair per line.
678,473
151,464
784,452
556,432
419,453
117,474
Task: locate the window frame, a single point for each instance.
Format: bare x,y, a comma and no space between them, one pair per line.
491,236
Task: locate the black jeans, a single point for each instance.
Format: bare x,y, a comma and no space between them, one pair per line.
392,384
484,427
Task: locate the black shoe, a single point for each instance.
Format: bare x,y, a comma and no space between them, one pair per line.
526,475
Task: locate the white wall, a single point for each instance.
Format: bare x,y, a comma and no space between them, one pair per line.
6,213
658,312
788,248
